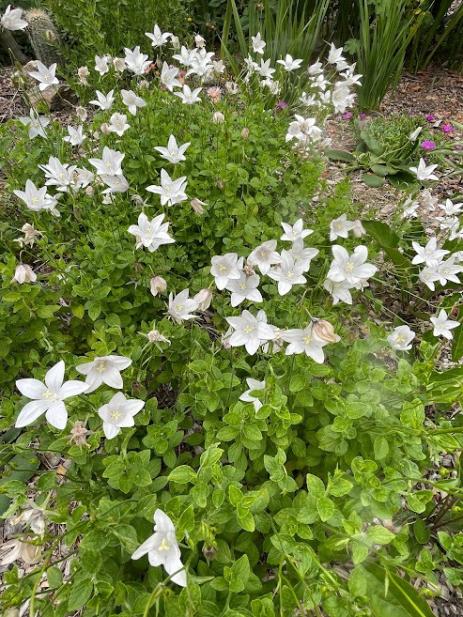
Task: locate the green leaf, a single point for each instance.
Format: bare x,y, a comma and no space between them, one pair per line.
127,536
340,155
80,593
315,485
388,240
457,344
183,474
325,508
406,596
373,180
379,535
381,447
239,574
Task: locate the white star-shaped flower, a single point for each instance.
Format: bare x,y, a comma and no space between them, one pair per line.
104,370
47,398
443,325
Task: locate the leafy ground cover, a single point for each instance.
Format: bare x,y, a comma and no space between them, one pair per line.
201,329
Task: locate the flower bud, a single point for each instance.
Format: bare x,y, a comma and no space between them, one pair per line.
325,331
358,229
203,299
24,274
245,133
157,285
105,128
218,117
175,41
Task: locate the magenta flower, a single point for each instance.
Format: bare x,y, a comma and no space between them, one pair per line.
347,115
447,128
430,117
362,115
428,145
281,105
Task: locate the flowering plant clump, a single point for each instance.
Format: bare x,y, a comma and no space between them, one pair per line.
193,327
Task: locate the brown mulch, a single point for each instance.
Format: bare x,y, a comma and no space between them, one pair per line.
437,90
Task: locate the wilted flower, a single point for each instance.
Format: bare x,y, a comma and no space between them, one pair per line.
82,113
325,331
78,434
17,550
30,235
154,336
197,205
83,73
203,299
24,274
157,285
218,117
214,93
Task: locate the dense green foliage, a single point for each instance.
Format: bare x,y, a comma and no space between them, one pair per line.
317,501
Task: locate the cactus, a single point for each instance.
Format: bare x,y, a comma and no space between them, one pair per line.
43,36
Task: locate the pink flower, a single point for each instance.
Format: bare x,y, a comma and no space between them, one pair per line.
428,145
281,105
347,115
363,115
447,128
430,117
